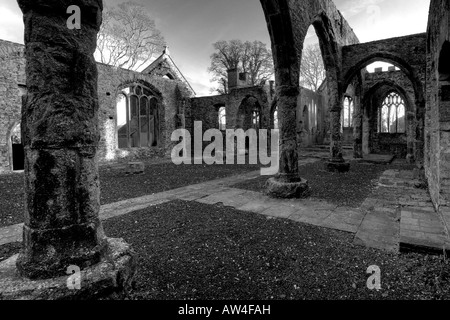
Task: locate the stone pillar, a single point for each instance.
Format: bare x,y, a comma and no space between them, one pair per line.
288,183
358,130
61,135
411,135
419,143
337,162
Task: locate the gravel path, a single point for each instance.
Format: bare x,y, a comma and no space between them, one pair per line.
349,189
116,185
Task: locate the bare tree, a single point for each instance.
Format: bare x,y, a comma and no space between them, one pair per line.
128,37
312,70
257,61
251,57
227,56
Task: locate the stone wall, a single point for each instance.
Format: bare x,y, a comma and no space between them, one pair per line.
376,86
12,84
437,125
206,109
312,117
111,81
409,54
171,94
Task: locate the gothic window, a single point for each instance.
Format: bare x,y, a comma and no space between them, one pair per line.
347,113
137,118
392,114
222,118
256,118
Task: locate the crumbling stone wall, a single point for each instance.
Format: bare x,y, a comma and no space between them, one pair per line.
375,88
409,54
110,81
12,75
437,125
313,125
206,109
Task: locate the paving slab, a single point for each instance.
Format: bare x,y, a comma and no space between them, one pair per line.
377,159
279,211
422,231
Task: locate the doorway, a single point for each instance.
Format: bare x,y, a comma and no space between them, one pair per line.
18,154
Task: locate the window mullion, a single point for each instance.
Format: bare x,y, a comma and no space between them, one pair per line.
128,121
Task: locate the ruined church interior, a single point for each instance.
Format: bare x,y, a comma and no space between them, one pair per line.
58,131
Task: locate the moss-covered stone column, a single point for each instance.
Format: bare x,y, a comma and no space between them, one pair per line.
65,253
288,183
358,129
336,162
60,135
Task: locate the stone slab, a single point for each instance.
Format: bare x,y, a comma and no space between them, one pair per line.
422,231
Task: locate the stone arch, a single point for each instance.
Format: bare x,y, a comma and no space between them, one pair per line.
374,140
219,108
250,113
390,86
15,151
405,67
444,63
288,23
412,75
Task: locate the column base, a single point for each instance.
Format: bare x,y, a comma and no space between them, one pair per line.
340,166
111,277
287,190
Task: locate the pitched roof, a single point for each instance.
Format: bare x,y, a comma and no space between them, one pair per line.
165,66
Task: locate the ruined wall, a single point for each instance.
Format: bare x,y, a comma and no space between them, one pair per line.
110,81
376,86
312,118
12,74
206,109
409,54
437,125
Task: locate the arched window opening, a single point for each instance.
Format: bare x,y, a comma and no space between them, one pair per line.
392,114
347,113
312,68
222,118
275,119
306,118
315,115
137,118
18,154
380,66
256,118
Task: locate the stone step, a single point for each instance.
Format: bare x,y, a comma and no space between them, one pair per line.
422,232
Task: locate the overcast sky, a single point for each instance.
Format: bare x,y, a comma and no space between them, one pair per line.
191,26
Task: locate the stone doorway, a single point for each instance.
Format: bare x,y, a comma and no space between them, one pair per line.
18,154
